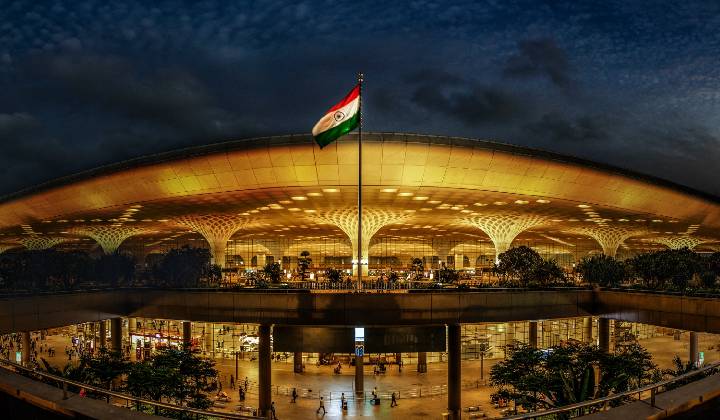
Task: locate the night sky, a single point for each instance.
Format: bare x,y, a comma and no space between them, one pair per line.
84,83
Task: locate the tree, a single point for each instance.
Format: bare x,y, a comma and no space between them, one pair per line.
114,269
447,275
668,268
183,267
272,272
45,269
680,368
393,277
105,368
177,375
603,270
548,272
334,275
518,264
304,263
713,263
562,375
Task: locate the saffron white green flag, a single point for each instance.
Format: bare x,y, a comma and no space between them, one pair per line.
339,120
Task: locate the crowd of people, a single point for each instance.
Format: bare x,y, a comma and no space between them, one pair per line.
11,343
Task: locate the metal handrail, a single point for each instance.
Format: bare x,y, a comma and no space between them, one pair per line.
136,400
604,400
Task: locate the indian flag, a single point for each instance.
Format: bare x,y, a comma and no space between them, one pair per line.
339,120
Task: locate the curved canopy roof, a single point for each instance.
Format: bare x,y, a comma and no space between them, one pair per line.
415,186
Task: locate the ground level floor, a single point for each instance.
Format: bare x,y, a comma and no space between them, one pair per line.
235,349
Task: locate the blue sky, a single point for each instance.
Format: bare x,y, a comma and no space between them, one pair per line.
626,83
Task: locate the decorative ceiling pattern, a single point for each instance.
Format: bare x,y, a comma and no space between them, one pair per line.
416,189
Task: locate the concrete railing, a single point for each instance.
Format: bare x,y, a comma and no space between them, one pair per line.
120,399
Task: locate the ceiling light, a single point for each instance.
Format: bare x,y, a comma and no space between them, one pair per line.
389,190
405,194
331,190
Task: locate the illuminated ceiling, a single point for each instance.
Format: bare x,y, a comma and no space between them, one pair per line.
416,188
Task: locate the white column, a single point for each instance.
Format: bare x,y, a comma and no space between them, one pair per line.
459,261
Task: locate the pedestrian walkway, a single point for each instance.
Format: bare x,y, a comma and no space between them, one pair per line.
420,395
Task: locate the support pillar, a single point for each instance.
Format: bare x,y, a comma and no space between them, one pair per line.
588,330
459,261
359,374
509,337
208,338
694,355
103,333
422,362
454,368
260,261
297,362
116,334
604,334
186,334
533,334
25,348
264,370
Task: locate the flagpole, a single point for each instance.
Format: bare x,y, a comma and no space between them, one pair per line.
359,228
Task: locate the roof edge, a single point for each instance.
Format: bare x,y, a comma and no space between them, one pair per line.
288,139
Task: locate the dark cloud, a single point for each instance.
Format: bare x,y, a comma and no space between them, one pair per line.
554,128
29,152
470,103
91,83
434,76
540,58
167,97
14,126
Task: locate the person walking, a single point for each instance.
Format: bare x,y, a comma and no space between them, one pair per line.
232,382
322,407
246,384
273,416
294,395
393,402
343,402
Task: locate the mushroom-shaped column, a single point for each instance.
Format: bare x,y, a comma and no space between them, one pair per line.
679,242
217,229
109,237
373,220
504,228
38,242
609,237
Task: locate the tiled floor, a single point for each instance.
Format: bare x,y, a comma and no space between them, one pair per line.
408,383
